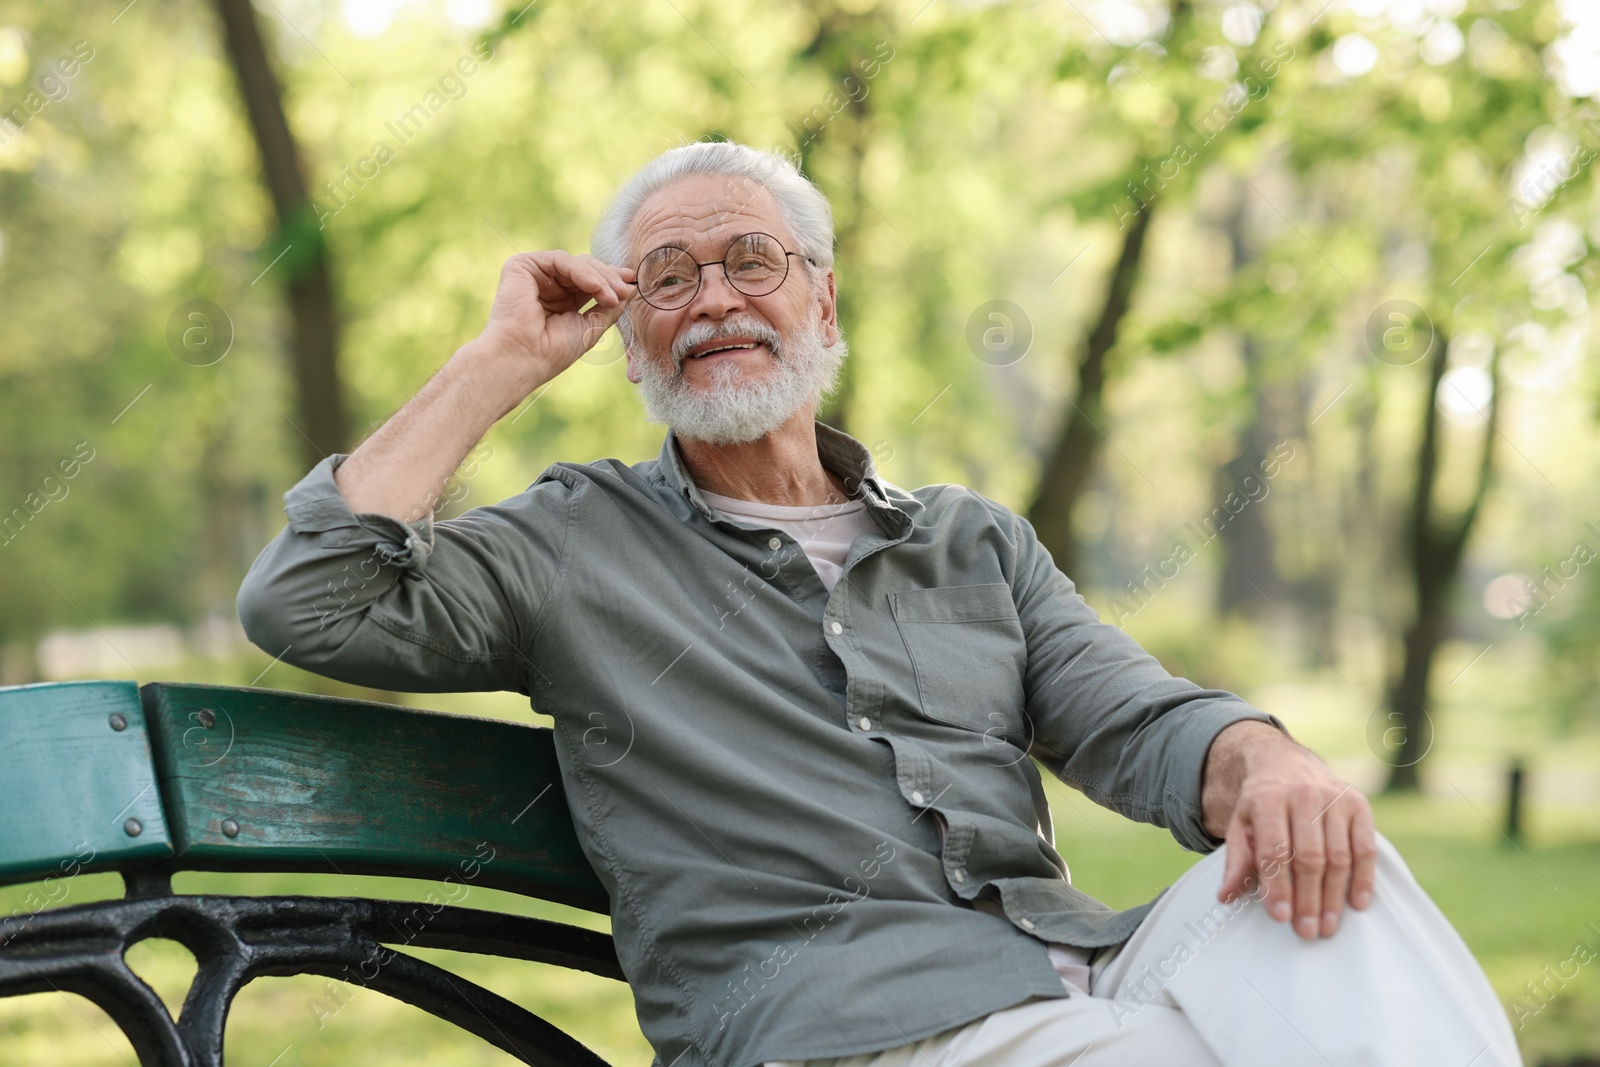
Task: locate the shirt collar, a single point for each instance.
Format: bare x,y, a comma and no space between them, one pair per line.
837,450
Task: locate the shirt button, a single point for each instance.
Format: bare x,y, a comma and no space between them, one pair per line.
836,628
1027,924
774,544
864,722
916,796
959,874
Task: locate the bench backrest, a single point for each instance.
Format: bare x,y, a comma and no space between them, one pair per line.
106,776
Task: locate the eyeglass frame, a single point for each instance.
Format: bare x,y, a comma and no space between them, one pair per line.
699,269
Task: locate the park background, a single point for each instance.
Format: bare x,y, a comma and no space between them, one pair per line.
1273,317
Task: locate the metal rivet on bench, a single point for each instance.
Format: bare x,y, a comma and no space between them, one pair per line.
206,717
133,827
230,828
119,721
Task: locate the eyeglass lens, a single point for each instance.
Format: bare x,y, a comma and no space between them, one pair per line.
755,265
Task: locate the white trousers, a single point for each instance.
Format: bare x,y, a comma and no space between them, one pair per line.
1205,984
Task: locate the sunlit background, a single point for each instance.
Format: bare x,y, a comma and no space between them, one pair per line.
1273,318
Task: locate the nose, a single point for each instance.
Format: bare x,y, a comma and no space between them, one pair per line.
717,298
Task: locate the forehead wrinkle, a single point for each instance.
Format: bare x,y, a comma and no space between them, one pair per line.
685,222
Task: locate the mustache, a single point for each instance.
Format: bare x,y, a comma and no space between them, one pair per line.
736,326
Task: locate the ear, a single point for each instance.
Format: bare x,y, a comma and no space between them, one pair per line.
629,346
633,361
829,297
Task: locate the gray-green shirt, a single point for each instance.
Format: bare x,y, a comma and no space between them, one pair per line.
793,796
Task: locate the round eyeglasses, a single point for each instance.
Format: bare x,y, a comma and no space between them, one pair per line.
755,265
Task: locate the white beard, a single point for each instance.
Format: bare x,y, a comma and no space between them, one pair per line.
734,410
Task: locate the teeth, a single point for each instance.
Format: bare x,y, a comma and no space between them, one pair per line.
724,348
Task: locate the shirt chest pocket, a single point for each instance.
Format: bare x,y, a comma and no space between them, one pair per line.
968,651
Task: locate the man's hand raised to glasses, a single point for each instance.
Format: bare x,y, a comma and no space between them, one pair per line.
537,328
537,312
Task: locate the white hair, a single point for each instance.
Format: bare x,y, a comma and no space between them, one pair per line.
804,208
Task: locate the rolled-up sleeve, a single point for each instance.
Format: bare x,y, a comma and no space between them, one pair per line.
421,606
1107,717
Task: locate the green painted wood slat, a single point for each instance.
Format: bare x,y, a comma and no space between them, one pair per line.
262,780
78,788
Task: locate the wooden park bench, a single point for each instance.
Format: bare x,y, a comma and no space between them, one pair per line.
107,776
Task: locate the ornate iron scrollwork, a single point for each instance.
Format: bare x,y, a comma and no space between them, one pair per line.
235,940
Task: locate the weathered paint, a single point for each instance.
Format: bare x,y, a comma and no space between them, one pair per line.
71,781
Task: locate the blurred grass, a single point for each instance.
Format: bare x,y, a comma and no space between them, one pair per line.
1520,908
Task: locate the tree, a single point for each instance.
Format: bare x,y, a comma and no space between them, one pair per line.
1249,583
1410,168
305,263
1067,471
1435,543
1166,156
847,50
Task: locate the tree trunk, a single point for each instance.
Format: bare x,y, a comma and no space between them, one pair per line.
1064,476
1248,571
837,410
303,269
838,50
1435,549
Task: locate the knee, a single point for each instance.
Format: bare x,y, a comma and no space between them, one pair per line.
1390,866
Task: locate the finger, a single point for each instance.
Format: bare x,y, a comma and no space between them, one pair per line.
525,264
1272,858
552,278
1364,862
1239,861
597,284
581,281
520,261
597,322
1336,830
611,274
1309,864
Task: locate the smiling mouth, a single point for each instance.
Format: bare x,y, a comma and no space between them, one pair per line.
719,349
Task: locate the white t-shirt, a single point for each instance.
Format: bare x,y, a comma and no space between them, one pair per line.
825,533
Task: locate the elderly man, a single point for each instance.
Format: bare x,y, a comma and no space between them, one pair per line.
795,704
